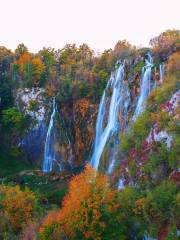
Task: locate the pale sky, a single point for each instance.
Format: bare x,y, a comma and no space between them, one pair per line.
99,23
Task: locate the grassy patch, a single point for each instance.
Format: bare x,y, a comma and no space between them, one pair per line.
10,165
48,188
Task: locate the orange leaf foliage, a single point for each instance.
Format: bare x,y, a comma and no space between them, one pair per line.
174,62
38,69
24,58
18,206
83,207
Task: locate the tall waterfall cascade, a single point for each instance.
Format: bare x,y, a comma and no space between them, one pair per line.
103,133
145,88
122,123
114,114
50,143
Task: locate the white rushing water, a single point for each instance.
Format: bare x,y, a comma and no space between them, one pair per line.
161,70
113,114
50,144
145,88
102,134
122,122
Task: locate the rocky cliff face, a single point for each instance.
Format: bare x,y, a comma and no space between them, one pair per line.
151,147
80,117
32,102
75,124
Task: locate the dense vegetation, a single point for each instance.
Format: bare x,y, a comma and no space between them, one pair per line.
33,206
70,74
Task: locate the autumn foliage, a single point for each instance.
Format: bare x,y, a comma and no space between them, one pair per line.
173,63
166,43
88,212
17,207
30,67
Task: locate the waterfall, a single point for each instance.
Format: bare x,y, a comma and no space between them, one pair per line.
102,134
99,124
148,238
113,113
161,70
145,88
50,144
123,108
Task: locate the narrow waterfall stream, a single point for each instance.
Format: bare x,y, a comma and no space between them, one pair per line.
50,143
161,70
145,88
122,122
102,134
